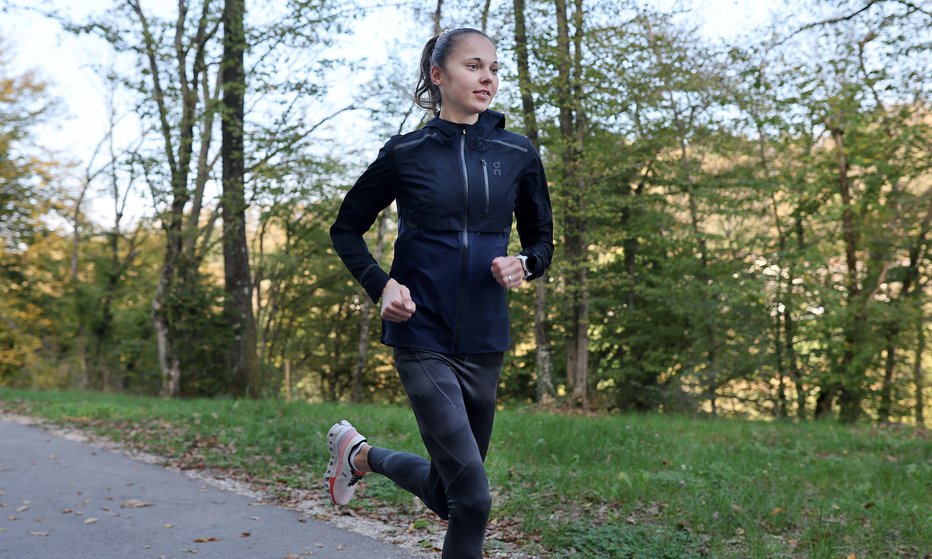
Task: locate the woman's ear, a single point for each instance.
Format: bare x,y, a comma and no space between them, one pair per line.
436,76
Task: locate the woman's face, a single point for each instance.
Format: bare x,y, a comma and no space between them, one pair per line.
469,81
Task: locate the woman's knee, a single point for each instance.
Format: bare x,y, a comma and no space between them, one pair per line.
472,494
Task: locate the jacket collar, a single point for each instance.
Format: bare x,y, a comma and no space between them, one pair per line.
488,120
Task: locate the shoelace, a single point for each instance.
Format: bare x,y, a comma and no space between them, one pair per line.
356,477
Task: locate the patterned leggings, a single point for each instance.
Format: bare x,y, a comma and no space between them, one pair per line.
453,399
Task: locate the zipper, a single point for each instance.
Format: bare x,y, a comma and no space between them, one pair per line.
485,177
464,260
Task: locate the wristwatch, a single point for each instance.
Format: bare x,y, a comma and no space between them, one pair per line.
523,259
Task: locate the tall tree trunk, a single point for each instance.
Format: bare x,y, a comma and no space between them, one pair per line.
485,16
242,356
783,351
178,272
886,389
790,327
365,320
437,13
707,317
850,369
544,367
572,128
918,380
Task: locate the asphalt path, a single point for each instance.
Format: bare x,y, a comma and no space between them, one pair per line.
65,499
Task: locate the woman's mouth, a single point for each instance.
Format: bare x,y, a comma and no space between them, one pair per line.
483,93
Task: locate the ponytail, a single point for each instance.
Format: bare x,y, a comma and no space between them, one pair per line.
425,86
435,53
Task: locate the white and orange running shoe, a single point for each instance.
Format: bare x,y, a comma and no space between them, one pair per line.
341,477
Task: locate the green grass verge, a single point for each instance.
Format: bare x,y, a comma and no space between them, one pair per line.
644,486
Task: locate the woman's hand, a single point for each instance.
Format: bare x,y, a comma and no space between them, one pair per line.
507,271
397,305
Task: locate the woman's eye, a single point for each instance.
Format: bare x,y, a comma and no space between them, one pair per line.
473,66
495,70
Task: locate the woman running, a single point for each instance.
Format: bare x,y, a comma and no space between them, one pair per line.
458,182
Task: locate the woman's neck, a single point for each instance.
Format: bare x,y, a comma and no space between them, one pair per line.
450,116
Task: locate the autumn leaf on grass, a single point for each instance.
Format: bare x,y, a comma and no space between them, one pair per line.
205,540
135,504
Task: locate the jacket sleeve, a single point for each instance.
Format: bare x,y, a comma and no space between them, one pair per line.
534,217
372,193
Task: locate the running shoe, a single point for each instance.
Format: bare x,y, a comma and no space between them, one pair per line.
341,477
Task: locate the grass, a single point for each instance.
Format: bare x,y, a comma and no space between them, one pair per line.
638,486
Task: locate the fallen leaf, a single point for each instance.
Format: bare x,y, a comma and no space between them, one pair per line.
852,556
91,521
42,533
11,517
205,540
244,534
776,511
66,511
2,530
169,525
23,508
135,504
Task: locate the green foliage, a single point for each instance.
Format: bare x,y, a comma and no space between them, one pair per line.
719,275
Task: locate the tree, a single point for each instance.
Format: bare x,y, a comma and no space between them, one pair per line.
243,358
545,390
572,194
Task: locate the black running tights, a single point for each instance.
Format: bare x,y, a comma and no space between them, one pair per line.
453,398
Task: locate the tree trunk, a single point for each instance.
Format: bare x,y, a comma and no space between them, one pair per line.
850,369
174,274
712,380
437,14
918,379
545,391
789,329
485,16
238,280
572,128
886,389
365,320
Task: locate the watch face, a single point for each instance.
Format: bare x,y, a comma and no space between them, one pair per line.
523,260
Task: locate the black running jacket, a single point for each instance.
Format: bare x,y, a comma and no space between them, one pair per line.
457,188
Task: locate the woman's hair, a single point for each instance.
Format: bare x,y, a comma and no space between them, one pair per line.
435,53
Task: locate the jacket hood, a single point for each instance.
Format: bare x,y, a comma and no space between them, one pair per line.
488,120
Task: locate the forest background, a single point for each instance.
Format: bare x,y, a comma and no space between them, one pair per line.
741,225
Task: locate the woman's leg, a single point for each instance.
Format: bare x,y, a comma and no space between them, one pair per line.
448,396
